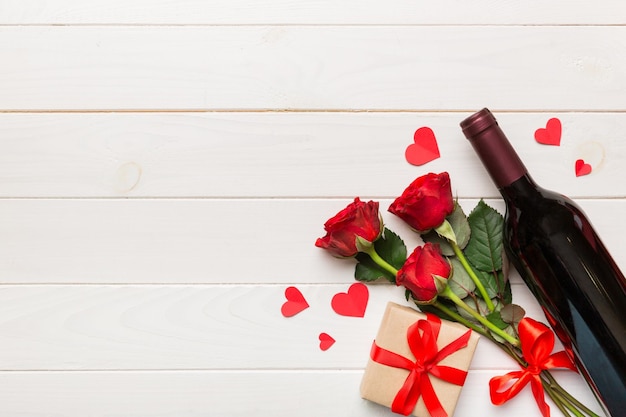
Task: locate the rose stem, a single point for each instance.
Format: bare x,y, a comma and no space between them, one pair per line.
566,403
443,308
559,395
448,293
548,390
506,348
567,395
470,271
380,261
552,385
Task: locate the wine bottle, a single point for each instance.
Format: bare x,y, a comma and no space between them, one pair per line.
563,262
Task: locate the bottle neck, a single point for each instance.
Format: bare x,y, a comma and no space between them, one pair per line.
493,148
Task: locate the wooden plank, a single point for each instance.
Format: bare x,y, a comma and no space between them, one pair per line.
310,12
303,67
286,154
239,327
197,241
224,394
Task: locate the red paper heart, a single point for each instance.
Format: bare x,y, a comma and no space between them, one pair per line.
352,303
326,341
551,135
295,302
424,149
582,168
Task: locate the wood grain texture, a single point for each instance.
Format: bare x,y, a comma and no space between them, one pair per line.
237,12
197,241
195,394
273,154
303,67
166,166
182,327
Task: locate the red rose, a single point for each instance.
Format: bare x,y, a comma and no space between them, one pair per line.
358,221
425,203
425,273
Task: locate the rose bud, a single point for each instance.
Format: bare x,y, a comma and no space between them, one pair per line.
426,202
352,229
425,273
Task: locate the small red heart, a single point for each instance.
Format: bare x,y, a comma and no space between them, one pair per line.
551,135
352,303
326,341
582,168
295,302
424,149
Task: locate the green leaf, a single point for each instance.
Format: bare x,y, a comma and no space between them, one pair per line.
506,266
507,296
490,283
512,314
434,238
460,225
495,285
460,283
391,248
484,248
496,318
501,287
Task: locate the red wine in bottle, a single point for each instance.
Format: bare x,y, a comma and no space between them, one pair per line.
561,259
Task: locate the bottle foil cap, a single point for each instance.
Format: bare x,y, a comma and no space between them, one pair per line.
477,123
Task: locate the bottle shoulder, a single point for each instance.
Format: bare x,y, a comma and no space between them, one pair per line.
542,213
541,202
535,215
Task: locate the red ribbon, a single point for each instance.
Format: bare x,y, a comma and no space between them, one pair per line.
427,356
537,343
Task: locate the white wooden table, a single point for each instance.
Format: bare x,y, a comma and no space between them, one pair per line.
166,166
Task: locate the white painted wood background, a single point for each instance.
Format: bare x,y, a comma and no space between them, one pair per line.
165,168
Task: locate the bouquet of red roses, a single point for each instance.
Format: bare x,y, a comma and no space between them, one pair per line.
459,274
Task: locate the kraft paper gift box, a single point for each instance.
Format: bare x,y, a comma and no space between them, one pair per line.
381,383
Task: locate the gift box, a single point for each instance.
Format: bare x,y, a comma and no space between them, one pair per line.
418,363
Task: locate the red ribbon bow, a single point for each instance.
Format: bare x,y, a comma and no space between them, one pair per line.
427,356
537,342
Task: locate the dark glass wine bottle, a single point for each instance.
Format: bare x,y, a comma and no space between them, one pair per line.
555,249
